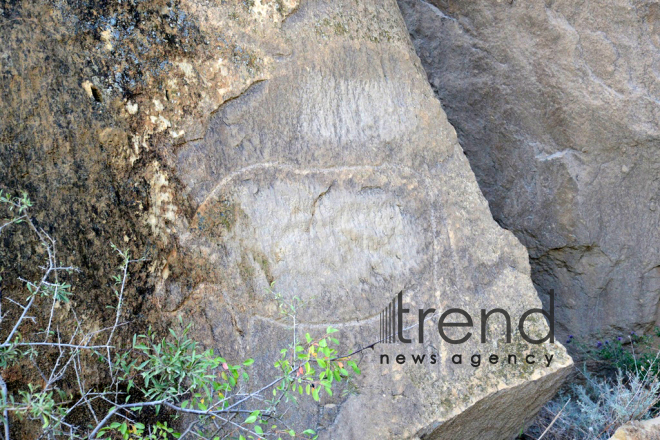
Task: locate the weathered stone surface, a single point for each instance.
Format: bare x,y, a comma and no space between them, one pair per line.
556,107
644,430
246,143
334,179
95,96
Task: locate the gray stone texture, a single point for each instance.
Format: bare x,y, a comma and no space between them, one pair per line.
556,104
241,144
340,179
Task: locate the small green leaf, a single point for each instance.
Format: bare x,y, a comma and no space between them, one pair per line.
252,417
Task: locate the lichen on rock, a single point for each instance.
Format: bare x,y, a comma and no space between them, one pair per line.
246,143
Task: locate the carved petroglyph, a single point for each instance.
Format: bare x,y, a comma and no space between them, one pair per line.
289,217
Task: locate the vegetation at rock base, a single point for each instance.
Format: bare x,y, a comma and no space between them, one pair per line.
625,388
155,387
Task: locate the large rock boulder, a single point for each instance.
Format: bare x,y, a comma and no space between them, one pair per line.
251,143
639,430
556,104
339,179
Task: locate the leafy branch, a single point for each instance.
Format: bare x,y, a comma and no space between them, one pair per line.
181,384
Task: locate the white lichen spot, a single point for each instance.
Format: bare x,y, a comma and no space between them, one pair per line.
187,70
271,9
158,106
87,85
162,210
135,153
160,122
136,144
259,8
106,36
177,134
131,108
222,67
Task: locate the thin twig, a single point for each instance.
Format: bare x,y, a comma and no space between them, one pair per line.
5,412
554,420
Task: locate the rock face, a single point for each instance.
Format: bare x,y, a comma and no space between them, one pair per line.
252,143
644,430
556,107
334,180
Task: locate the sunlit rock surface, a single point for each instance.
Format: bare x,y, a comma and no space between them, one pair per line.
242,144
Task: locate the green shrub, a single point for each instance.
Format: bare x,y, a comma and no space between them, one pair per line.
171,375
633,353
